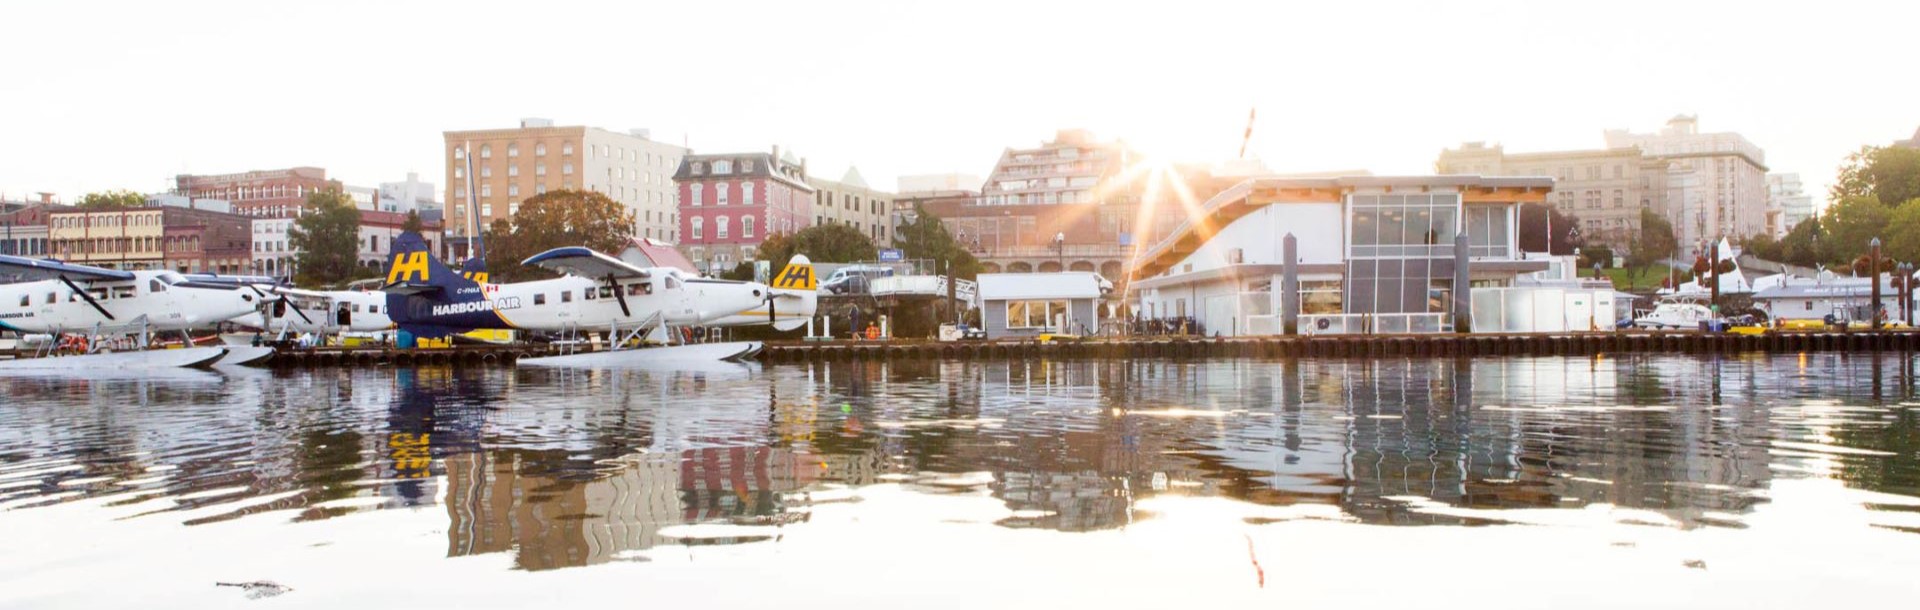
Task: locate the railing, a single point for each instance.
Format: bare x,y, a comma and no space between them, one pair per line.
1374,323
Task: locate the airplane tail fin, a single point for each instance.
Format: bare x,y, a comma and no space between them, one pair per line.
798,275
796,288
417,280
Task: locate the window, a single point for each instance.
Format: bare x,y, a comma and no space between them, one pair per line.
697,169
566,296
540,150
513,208
1487,233
695,192
540,170
513,150
586,293
1037,314
459,171
486,190
720,227
746,193
720,192
486,210
603,151
540,299
746,166
540,189
567,168
459,153
722,167
566,149
513,170
699,227
746,227
486,151
513,190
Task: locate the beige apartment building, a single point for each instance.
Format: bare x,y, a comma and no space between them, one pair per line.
1708,185
850,201
1603,189
512,165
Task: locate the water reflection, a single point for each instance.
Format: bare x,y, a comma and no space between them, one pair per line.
572,468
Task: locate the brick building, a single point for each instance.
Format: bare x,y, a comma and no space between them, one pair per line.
729,203
23,231
511,165
158,237
274,193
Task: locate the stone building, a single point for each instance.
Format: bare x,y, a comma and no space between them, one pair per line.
511,165
850,201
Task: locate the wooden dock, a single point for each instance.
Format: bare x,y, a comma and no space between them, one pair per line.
1325,346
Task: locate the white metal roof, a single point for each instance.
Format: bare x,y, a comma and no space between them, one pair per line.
1024,286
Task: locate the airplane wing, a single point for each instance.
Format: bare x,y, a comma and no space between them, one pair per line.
585,262
33,269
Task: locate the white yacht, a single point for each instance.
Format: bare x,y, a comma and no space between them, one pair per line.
1675,313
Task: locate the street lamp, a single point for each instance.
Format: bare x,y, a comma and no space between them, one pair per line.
1060,250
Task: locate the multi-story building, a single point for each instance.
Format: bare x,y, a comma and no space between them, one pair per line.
729,203
511,165
155,237
849,201
1072,204
1787,203
273,253
1073,168
276,193
410,195
1604,190
1708,185
23,230
1731,171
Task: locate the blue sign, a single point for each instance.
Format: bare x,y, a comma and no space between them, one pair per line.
892,255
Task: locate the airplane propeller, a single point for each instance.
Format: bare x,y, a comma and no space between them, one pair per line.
770,312
284,303
83,294
620,296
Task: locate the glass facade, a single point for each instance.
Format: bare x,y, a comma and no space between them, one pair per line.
1403,225
1489,231
1401,255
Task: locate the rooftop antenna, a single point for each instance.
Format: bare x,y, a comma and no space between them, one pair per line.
473,208
1248,136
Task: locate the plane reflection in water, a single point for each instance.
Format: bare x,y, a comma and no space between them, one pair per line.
571,468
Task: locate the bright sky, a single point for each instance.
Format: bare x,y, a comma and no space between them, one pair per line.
101,95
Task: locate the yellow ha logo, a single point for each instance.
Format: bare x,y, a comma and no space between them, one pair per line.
408,266
795,277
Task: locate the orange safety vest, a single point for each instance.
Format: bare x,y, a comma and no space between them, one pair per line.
873,332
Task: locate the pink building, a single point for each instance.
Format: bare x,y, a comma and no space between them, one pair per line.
729,203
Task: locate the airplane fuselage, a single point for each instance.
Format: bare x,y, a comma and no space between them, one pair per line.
47,306
574,302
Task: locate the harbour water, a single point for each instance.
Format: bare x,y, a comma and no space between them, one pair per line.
1646,481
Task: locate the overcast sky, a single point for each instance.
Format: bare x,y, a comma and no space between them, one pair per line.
102,95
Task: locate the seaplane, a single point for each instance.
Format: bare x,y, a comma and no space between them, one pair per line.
429,300
57,298
796,286
284,310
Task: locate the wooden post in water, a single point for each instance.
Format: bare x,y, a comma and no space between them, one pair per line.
1873,273
1290,286
1462,286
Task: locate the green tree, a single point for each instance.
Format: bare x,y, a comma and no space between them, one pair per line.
1902,239
1848,225
1655,242
1890,175
413,223
555,219
927,238
1804,245
830,243
327,236
112,199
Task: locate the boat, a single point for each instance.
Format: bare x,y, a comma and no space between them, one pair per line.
1675,314
652,356
198,357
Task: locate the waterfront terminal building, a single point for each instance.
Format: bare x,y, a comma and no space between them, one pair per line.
1370,254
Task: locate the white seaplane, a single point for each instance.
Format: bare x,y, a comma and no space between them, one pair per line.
631,304
56,298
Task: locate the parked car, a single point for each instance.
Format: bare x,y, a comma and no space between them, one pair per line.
854,279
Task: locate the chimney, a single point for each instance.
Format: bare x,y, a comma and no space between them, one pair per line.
45,197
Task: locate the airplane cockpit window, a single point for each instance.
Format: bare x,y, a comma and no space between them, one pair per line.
123,292
673,283
50,298
26,300
155,285
172,279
